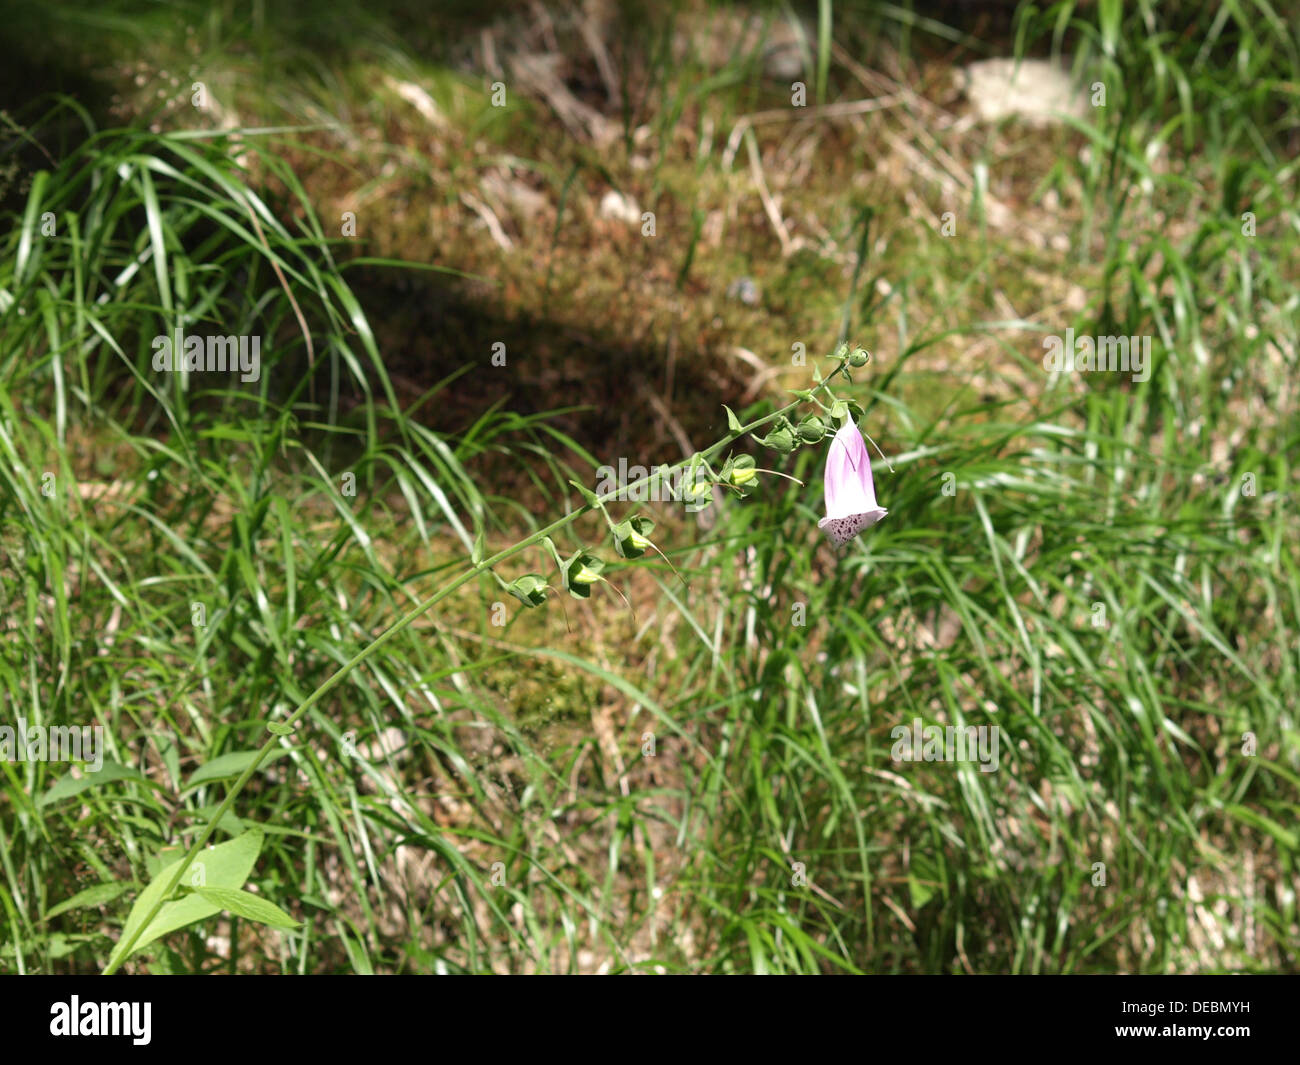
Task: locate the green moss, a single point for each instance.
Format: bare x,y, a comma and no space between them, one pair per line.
540,694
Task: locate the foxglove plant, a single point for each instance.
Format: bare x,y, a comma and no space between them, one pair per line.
851,507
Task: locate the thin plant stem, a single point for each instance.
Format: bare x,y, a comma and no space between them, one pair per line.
400,626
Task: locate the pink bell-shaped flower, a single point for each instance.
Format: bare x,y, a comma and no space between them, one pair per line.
850,494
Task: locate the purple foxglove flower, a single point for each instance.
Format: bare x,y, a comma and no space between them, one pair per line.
850,494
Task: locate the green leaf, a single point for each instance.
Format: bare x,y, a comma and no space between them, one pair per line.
245,904
476,555
587,494
68,785
921,892
92,896
1285,837
226,865
733,423
229,765
276,729
229,824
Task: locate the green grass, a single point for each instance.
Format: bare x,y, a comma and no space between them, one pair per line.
506,814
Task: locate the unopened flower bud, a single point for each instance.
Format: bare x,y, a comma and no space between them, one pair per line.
811,429
781,439
530,589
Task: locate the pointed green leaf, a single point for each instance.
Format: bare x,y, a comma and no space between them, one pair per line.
226,865
229,765
586,493
68,785
92,896
245,904
921,892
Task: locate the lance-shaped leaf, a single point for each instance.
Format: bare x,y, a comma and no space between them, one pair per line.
587,494
246,904
226,865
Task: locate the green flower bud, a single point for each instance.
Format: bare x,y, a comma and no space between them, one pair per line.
530,589
859,357
781,439
811,429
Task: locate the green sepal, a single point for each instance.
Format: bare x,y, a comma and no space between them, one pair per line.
581,572
739,471
697,489
632,537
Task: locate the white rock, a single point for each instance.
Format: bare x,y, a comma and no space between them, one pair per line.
1035,90
616,205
